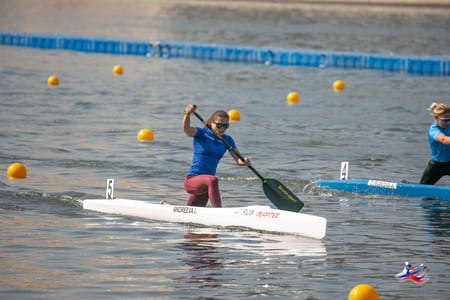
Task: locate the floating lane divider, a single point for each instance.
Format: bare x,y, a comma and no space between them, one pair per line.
416,65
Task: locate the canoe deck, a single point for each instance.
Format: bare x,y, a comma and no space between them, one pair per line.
255,217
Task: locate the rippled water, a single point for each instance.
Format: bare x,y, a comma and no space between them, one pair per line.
73,137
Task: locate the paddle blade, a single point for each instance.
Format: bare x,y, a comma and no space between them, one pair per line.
281,196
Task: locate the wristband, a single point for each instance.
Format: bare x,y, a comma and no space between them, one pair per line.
186,114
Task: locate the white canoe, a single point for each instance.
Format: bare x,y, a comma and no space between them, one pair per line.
255,217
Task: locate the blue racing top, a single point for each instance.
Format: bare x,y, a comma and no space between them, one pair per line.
439,151
207,152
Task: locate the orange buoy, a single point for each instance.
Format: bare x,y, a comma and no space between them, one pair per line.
293,97
234,115
53,80
145,135
17,171
363,292
339,85
118,70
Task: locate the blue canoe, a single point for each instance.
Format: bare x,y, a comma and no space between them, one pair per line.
388,188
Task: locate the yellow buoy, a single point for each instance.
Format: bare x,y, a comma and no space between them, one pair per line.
17,171
363,292
118,70
53,80
293,97
145,135
339,85
234,115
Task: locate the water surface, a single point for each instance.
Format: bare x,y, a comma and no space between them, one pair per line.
73,137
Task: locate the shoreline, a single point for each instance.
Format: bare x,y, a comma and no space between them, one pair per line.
387,7
404,3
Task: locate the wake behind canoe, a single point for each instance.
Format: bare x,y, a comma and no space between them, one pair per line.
255,217
388,188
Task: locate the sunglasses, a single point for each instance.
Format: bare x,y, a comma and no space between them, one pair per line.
443,119
220,125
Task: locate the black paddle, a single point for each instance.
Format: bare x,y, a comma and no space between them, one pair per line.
280,195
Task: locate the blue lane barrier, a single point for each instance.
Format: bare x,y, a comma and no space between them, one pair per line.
416,65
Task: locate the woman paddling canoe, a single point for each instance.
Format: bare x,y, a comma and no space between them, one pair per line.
201,181
439,140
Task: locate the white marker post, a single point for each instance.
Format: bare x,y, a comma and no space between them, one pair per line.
110,189
344,171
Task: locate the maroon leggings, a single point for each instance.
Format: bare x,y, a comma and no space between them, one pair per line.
202,187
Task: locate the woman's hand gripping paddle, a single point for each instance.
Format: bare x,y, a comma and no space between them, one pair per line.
280,195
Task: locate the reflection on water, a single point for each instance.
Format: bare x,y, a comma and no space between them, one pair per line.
259,243
201,255
437,212
210,253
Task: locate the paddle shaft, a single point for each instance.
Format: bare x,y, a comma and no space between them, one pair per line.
229,146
